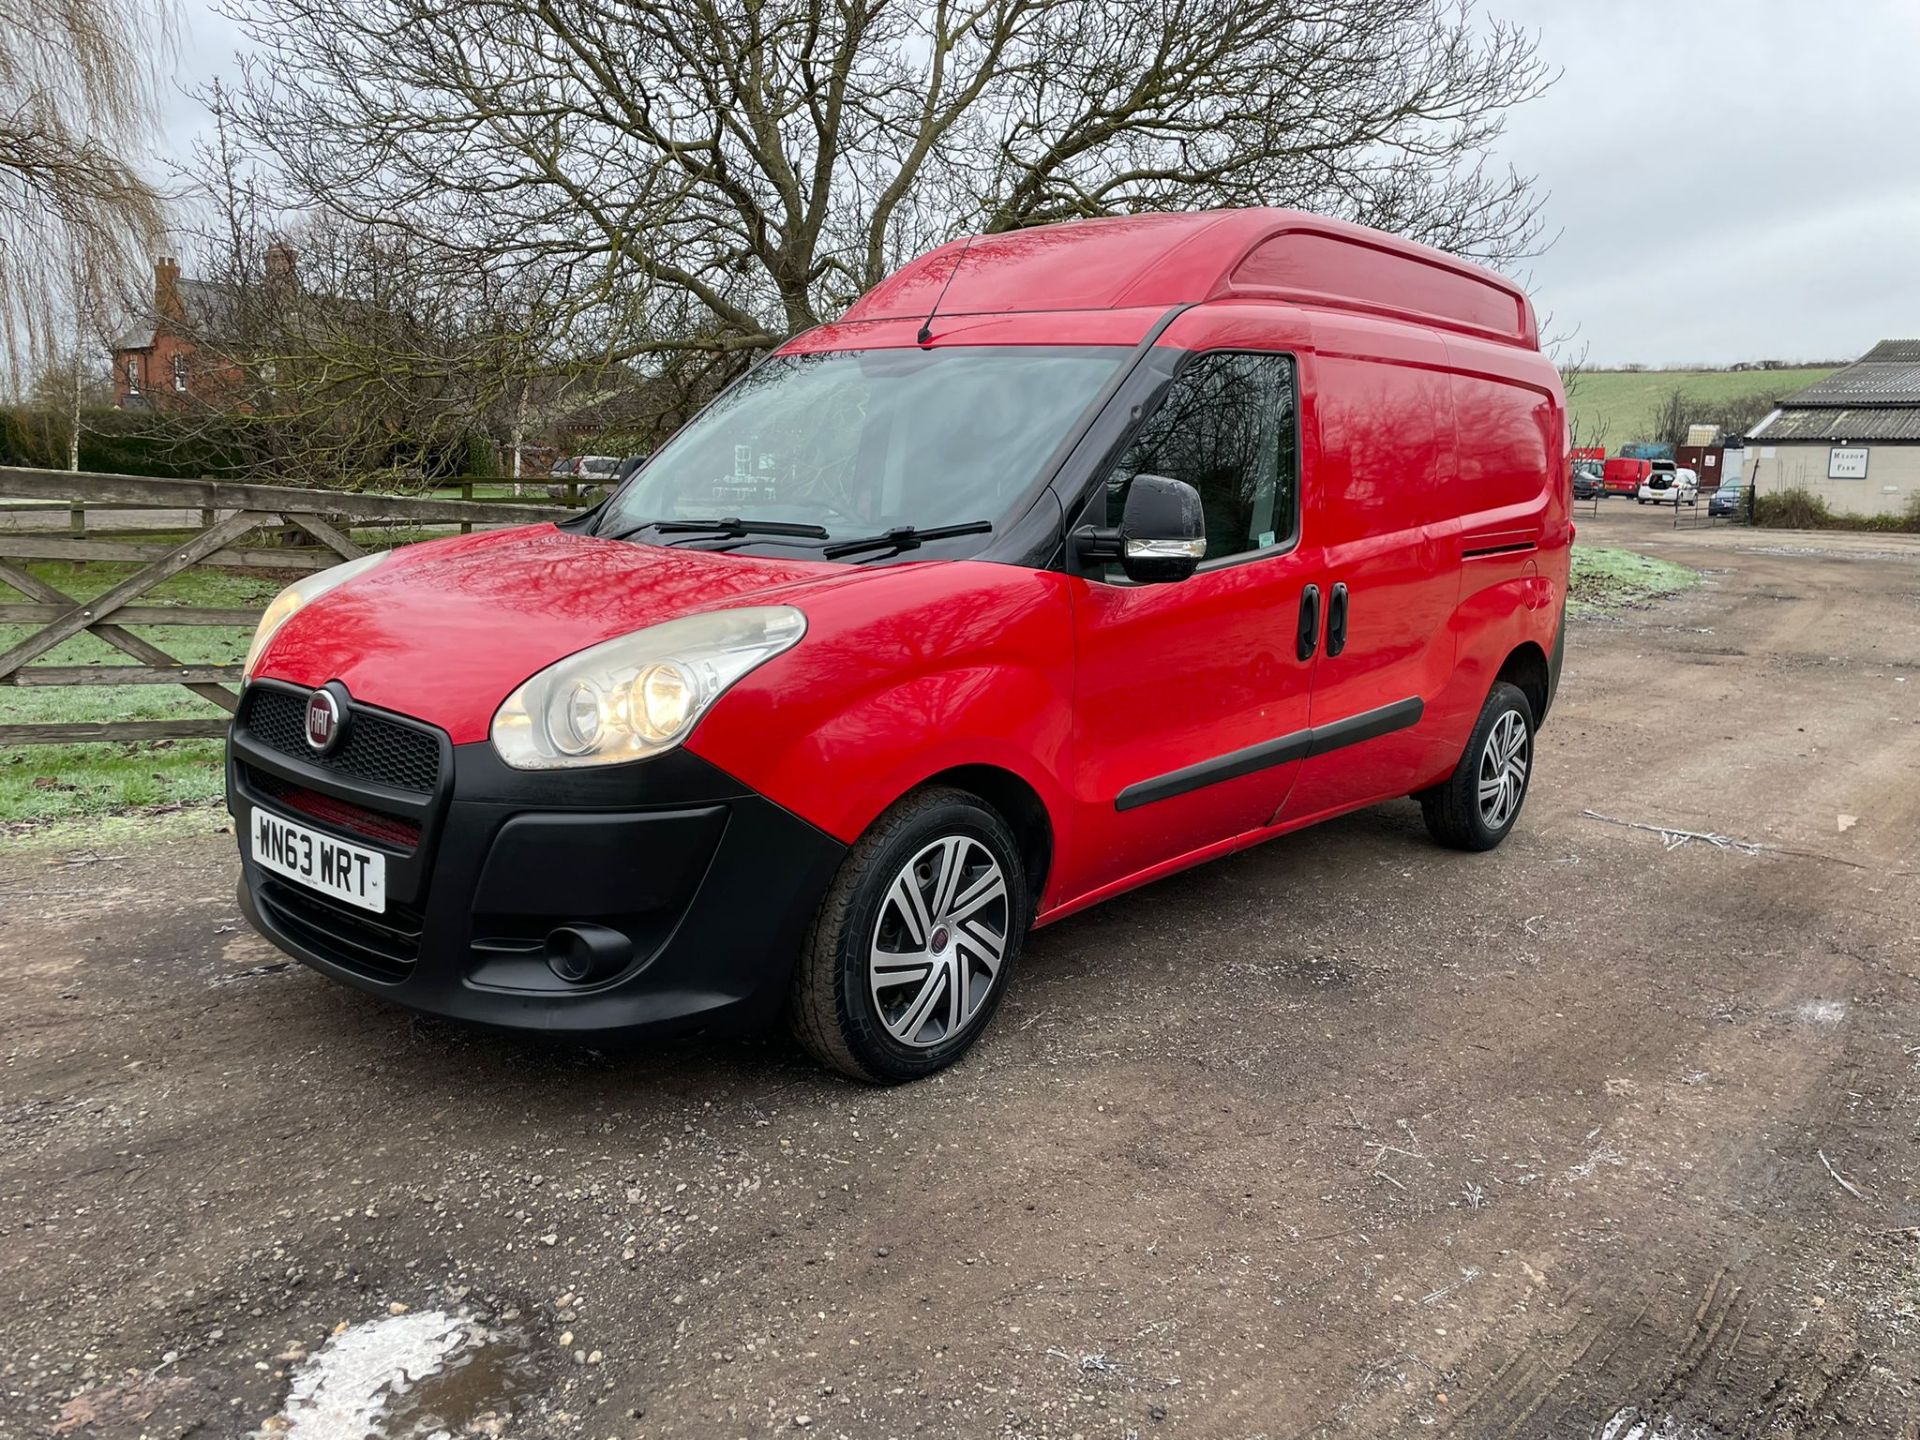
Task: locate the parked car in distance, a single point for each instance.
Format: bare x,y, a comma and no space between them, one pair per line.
1670,487
1623,474
585,467
591,475
1186,531
1588,482
1727,500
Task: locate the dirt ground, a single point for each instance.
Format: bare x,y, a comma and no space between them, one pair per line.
1594,1136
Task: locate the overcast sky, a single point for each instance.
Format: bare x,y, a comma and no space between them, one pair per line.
1728,179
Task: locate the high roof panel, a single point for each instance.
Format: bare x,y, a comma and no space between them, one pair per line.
1165,260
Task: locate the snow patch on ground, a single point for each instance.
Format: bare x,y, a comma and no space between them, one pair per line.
347,1390
1631,1423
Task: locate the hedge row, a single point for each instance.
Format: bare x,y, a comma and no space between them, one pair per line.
145,442
1803,510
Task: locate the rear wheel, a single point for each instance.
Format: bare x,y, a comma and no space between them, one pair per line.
914,943
1475,807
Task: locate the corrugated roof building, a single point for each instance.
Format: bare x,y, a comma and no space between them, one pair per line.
1853,438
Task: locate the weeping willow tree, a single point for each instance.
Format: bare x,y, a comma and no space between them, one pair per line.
78,85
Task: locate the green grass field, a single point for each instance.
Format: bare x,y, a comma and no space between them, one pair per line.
1617,404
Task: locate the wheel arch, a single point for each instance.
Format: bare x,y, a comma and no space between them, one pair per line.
1526,668
1020,805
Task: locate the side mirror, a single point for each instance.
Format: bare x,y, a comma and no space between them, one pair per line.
1162,535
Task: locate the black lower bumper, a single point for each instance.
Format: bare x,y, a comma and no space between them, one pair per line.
698,889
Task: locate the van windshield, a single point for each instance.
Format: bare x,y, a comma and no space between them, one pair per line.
860,441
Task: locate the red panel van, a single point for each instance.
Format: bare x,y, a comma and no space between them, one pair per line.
1623,475
1065,560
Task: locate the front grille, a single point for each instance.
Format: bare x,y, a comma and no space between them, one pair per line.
384,946
390,830
374,747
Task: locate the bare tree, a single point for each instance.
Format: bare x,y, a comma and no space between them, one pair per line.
1680,409
1668,422
77,81
709,176
63,387
325,349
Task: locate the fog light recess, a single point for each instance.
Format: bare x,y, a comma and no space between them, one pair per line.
583,954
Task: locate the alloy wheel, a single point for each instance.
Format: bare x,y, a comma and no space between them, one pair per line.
1503,769
939,941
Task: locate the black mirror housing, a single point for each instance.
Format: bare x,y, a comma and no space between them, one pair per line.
1162,536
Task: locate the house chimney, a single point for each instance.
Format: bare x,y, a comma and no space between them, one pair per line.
167,304
279,263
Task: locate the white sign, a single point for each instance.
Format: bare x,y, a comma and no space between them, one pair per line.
1847,464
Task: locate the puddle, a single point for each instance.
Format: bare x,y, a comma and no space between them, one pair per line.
403,1377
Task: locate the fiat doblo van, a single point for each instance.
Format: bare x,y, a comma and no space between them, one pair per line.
1065,560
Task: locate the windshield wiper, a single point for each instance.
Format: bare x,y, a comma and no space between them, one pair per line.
904,537
730,526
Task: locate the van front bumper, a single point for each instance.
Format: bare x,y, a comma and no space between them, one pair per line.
694,891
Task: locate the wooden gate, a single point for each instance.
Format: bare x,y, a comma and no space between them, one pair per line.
221,517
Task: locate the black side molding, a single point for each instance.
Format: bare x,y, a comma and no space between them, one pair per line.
1515,549
1367,725
1300,745
1230,766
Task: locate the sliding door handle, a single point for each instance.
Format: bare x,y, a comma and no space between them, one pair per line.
1337,621
1307,637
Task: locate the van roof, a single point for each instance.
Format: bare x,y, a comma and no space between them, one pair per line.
1162,260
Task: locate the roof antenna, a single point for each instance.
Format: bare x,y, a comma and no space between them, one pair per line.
926,326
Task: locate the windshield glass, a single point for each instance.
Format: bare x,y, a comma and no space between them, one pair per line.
861,441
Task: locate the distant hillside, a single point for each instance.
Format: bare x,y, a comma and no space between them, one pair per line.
1618,403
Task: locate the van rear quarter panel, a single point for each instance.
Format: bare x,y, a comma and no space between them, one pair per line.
1515,539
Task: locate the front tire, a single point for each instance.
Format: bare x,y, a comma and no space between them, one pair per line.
913,945
1475,807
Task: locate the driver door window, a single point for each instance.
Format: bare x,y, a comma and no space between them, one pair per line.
1226,427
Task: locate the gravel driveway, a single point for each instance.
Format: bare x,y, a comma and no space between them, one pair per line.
1608,1133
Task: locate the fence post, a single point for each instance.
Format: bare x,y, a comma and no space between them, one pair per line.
77,519
466,493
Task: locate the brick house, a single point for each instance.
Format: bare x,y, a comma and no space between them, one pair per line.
172,355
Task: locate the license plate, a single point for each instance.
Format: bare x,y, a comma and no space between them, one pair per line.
333,867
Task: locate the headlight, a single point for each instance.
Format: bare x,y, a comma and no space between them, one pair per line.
298,595
641,694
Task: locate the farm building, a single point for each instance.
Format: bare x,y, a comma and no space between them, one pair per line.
1853,439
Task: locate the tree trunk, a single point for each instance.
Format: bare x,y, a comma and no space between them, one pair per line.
73,429
518,435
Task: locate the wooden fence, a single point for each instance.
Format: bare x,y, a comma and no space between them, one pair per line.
225,524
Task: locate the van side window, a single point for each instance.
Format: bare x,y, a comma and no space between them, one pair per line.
1226,427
